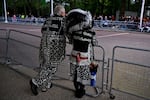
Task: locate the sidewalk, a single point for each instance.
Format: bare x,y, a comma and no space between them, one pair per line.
14,85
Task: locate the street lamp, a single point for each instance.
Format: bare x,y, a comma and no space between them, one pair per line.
6,21
142,12
51,5
52,11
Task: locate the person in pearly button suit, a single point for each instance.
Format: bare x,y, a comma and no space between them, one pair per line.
52,50
79,32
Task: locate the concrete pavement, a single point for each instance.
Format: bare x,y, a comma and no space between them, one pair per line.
14,85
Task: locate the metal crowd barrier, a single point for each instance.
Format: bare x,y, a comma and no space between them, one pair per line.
100,74
34,21
129,77
99,58
121,25
3,45
23,48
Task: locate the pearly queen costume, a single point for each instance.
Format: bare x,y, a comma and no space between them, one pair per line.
52,51
78,31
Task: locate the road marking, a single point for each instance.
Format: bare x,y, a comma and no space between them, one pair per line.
112,35
35,30
21,29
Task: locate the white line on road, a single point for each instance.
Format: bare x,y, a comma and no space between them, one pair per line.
21,29
112,35
35,30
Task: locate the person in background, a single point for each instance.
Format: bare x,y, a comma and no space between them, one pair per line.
52,50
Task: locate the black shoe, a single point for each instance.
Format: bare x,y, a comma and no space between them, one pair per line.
33,88
80,93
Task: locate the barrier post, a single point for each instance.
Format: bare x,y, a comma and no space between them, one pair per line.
7,47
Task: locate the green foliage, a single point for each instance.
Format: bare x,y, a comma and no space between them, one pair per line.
41,8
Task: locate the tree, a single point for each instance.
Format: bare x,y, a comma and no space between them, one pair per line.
27,7
40,8
123,8
1,7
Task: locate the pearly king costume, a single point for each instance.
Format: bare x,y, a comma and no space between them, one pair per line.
78,31
52,52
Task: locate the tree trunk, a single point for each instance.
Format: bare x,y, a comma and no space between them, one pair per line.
123,7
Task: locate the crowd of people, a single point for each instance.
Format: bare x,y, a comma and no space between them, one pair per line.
126,22
121,18
103,19
27,18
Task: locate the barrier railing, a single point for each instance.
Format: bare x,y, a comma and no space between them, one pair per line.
100,72
129,77
99,58
23,48
118,25
4,45
36,21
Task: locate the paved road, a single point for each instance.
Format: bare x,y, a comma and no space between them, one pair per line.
130,39
107,39
25,28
